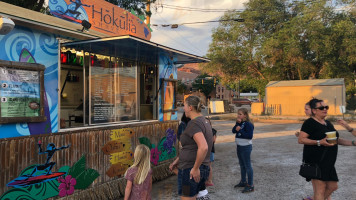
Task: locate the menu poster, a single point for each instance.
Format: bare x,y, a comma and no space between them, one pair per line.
20,93
102,94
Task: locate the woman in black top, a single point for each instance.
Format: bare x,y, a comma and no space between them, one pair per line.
313,136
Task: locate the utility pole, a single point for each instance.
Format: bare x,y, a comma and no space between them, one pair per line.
148,9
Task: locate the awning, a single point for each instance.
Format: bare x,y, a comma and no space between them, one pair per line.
133,48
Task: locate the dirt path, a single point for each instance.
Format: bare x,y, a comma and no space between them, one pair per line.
276,158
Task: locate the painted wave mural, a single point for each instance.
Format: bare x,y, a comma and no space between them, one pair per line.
26,45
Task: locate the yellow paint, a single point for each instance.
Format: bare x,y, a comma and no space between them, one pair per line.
216,106
122,134
115,146
122,157
293,99
257,108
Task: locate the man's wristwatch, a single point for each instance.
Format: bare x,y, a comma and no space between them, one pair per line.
318,143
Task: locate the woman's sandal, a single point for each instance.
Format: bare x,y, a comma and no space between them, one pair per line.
308,198
209,184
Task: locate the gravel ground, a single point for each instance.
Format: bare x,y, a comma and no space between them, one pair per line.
276,158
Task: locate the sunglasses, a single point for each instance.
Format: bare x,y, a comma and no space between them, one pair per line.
322,108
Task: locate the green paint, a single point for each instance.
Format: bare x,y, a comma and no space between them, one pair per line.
164,152
146,141
39,191
84,176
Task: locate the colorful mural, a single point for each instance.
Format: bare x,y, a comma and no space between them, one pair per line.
39,182
27,45
103,16
120,151
167,70
164,150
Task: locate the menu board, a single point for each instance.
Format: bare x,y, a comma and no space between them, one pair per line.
20,93
102,94
113,91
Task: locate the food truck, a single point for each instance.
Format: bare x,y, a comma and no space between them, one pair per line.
80,89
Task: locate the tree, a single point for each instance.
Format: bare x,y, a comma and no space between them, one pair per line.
139,6
204,83
35,5
181,88
285,40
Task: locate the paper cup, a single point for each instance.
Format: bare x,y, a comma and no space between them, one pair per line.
331,134
332,140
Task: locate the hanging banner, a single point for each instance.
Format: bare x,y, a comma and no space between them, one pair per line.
103,16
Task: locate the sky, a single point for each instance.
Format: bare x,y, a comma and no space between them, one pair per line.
195,38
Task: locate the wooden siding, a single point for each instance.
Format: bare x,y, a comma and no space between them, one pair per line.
18,153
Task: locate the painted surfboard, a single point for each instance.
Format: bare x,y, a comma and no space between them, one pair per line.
41,127
23,181
168,99
66,17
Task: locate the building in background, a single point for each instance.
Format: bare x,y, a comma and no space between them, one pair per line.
289,97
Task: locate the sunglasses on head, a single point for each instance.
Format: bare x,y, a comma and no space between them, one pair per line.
322,107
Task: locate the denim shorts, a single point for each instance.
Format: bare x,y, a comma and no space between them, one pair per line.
188,187
212,157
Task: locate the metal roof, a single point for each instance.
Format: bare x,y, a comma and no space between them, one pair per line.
133,48
294,83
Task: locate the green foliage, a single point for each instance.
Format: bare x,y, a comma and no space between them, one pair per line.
35,5
146,141
181,88
139,6
285,40
84,176
351,103
204,84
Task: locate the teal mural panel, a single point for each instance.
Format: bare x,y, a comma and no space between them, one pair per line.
27,45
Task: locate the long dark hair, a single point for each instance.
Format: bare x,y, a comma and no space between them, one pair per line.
312,103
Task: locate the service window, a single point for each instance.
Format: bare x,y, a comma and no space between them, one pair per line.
100,89
113,90
21,92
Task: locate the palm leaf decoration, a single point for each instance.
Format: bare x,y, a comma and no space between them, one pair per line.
84,176
145,141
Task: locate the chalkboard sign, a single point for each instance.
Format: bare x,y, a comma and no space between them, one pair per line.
21,92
